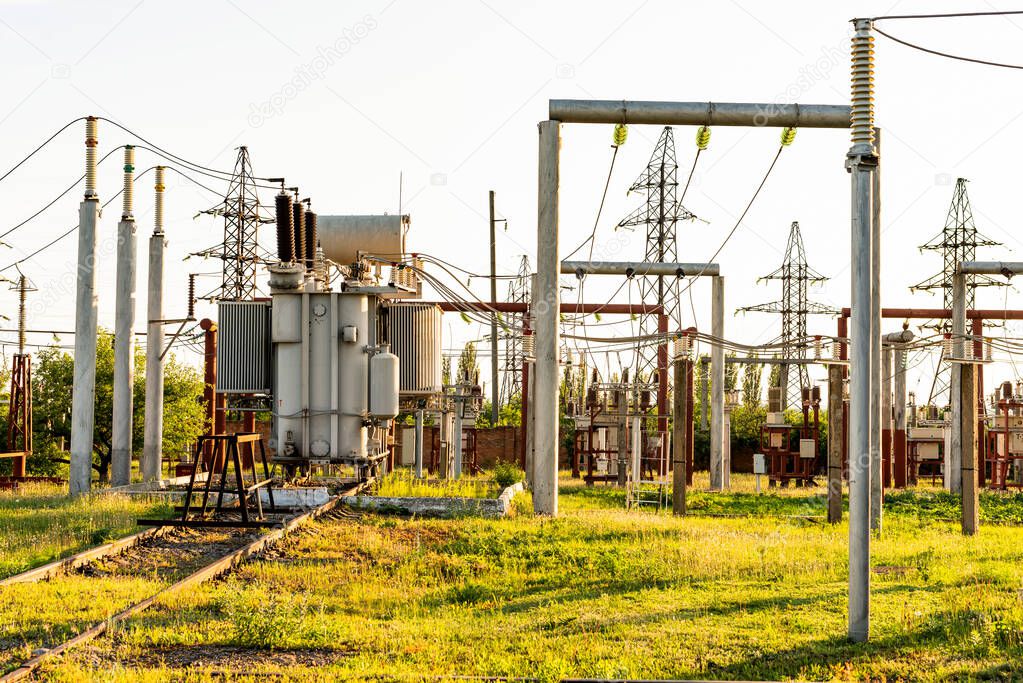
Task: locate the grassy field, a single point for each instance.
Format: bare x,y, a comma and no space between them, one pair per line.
40,523
600,592
401,483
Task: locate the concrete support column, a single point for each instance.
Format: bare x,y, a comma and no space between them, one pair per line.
152,449
546,386
861,417
683,368
900,464
456,442
419,444
887,414
124,333
970,441
954,456
717,384
876,468
83,400
835,440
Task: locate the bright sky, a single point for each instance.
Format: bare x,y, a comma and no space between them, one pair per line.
448,94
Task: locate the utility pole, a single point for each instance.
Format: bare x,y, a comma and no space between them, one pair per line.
861,162
124,335
19,416
152,448
494,385
83,401
680,429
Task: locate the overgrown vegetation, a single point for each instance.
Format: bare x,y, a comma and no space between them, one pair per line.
601,592
40,523
402,483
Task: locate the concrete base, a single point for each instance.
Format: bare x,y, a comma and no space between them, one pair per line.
438,507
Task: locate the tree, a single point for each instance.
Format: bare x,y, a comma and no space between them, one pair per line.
52,380
468,368
751,381
731,374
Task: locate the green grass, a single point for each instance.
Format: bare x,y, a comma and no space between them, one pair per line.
40,523
401,484
601,592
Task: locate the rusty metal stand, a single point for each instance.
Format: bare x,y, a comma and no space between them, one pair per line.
225,453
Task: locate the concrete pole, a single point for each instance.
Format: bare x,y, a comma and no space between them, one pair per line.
704,395
899,462
419,443
835,441
876,407
545,394
717,384
679,436
124,335
152,449
83,400
726,450
969,435
887,413
621,401
861,162
495,407
456,443
955,457
529,389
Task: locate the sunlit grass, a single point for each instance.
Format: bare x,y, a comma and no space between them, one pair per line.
40,523
401,483
603,592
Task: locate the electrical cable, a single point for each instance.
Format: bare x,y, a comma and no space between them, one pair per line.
63,235
58,197
46,142
182,160
949,15
738,222
946,54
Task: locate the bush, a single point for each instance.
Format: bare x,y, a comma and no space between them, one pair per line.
506,474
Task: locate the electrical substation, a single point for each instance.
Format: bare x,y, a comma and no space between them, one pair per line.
329,367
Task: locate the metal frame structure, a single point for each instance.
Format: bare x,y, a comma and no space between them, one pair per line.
240,248
796,276
958,242
518,293
659,214
862,163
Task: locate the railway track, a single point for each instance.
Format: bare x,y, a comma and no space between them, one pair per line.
184,557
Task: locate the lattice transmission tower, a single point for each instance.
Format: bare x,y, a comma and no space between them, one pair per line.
958,241
660,214
240,250
518,292
796,277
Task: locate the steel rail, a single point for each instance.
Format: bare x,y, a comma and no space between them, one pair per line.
211,571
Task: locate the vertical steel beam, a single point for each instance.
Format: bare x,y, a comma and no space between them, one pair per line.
969,435
547,380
